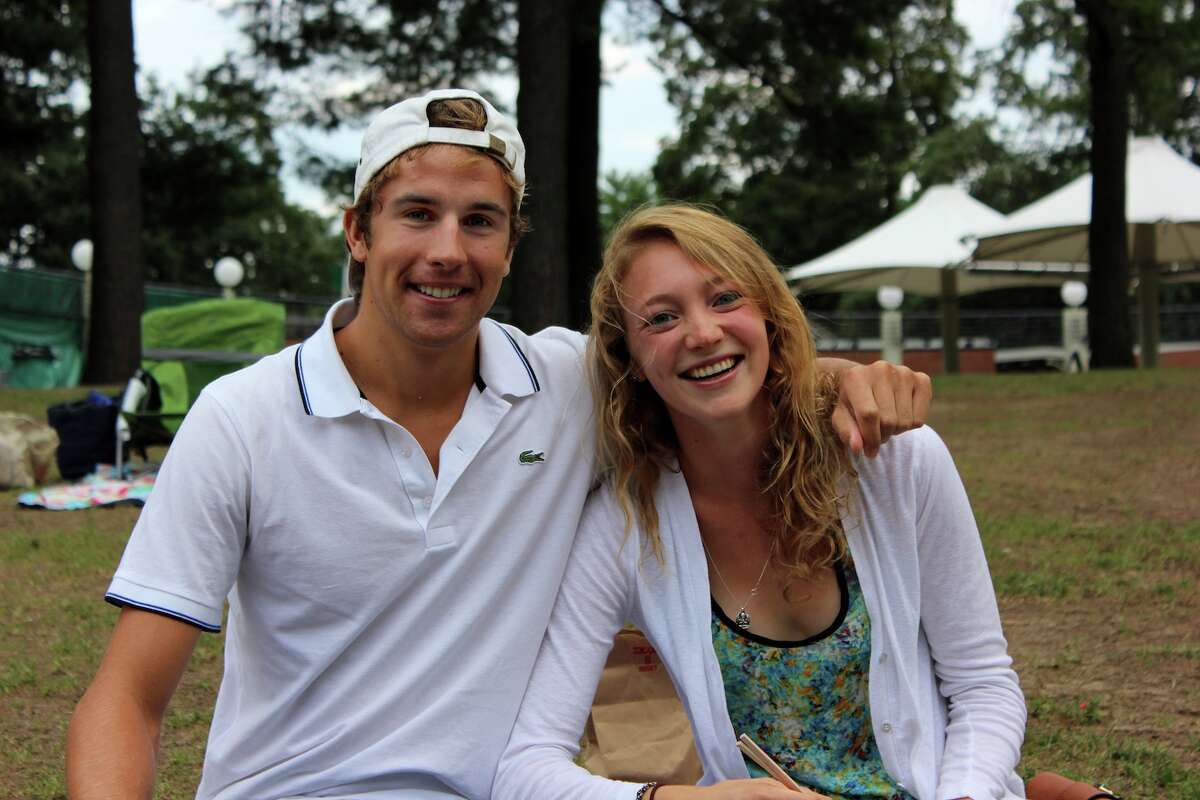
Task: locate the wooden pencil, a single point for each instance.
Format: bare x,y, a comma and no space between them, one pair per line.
756,754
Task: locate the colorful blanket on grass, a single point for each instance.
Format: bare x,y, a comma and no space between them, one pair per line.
101,488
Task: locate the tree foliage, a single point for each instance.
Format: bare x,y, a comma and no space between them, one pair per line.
43,57
210,166
343,58
622,193
1041,78
1042,69
336,63
348,58
975,153
1118,67
801,119
212,181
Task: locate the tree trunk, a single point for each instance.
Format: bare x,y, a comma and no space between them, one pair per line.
583,152
541,264
114,157
1110,334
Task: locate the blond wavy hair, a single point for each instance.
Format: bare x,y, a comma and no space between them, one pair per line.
804,461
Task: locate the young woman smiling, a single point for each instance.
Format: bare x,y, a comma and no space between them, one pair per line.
838,609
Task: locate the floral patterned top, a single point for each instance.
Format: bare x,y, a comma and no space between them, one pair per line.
806,703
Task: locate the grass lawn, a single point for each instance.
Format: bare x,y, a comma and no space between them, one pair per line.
1087,491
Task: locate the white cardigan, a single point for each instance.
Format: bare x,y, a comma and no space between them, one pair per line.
946,708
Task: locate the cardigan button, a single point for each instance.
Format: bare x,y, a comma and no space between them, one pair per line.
886,727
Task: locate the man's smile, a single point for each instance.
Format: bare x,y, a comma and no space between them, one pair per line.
439,292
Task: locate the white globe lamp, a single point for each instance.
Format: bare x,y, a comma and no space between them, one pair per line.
1074,326
890,297
81,255
1074,293
891,323
228,272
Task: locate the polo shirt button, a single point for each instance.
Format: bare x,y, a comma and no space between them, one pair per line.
886,727
406,452
425,501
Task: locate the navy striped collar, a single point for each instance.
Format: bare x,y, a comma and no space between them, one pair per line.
325,386
504,362
327,390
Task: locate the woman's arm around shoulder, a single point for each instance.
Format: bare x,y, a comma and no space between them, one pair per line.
961,620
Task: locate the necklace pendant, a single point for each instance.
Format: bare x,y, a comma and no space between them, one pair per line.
742,620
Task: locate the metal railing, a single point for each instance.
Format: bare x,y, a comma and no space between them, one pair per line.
998,329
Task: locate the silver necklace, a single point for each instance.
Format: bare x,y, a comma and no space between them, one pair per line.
742,619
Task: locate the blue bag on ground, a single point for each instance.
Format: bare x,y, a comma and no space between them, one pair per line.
86,434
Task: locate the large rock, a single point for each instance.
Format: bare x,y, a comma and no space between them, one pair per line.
26,450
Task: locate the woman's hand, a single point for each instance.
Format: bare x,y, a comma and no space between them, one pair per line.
876,402
755,789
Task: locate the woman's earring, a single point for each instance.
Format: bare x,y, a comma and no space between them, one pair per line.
637,375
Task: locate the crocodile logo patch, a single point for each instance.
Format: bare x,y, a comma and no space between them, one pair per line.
530,457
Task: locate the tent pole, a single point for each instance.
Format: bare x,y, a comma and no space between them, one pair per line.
1148,280
950,320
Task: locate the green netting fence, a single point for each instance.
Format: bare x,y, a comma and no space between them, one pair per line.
41,323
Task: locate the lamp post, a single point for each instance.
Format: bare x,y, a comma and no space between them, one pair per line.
81,257
1074,326
228,272
891,323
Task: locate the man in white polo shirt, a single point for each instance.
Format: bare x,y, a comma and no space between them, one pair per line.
388,507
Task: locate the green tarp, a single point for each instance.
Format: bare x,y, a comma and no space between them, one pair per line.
40,329
41,326
188,346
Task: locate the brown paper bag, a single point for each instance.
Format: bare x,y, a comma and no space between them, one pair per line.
638,730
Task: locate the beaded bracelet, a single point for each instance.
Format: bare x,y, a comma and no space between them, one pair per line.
647,791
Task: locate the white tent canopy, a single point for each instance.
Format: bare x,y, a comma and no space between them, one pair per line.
1162,191
912,249
1162,211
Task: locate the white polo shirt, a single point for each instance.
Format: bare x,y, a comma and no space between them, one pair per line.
383,621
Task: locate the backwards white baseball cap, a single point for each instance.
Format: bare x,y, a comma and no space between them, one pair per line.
406,125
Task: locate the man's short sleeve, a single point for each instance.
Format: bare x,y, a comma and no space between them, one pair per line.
183,555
